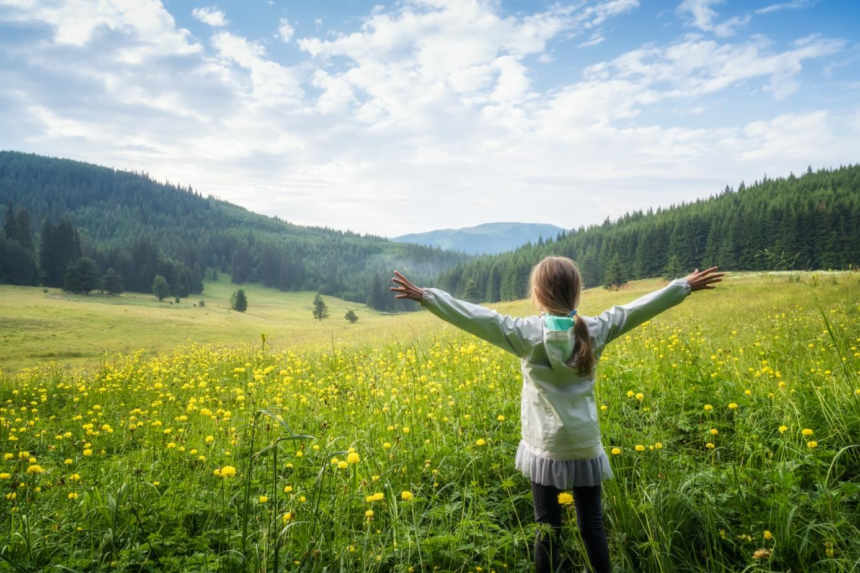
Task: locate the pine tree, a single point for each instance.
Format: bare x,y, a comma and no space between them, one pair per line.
239,301
351,317
112,283
615,276
320,308
160,288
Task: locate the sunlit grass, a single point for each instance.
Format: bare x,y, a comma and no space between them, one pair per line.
373,456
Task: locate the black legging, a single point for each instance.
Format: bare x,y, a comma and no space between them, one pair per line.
589,518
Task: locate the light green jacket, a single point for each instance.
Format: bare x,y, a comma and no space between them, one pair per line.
559,409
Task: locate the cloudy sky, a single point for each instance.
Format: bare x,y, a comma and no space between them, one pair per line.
425,114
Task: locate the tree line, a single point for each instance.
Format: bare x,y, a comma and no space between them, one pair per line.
806,222
139,227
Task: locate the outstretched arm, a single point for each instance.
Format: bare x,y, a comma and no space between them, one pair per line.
621,319
507,333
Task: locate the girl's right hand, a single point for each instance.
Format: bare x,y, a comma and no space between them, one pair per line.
701,280
408,289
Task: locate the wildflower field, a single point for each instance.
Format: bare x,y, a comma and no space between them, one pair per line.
732,422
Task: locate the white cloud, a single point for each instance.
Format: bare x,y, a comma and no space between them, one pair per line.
211,16
703,16
285,30
793,5
432,113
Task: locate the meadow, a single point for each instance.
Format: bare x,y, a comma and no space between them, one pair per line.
732,422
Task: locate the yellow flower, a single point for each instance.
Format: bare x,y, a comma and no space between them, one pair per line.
386,445
288,489
406,495
368,513
75,477
658,445
263,499
209,439
500,418
616,451
73,496
630,393
782,429
5,475
480,442
732,406
353,458
342,465
228,471
710,446
88,452
171,445
812,444
639,448
708,407
714,431
288,516
807,432
640,396
68,462
768,535
565,498
34,469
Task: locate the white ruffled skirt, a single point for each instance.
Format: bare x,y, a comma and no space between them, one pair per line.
538,466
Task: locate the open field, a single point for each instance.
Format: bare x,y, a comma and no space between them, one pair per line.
744,402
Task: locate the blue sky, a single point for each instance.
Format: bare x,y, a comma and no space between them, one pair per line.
400,117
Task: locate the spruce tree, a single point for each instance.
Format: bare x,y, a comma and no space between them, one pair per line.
112,283
10,230
320,308
673,269
471,293
82,276
351,317
23,233
239,301
615,276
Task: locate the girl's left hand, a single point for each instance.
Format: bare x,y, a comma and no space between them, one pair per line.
408,289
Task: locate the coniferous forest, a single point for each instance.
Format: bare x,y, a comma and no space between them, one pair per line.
130,229
803,223
57,211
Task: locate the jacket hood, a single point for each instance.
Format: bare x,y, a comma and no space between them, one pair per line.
559,340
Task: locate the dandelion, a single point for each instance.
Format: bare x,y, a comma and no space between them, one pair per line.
732,406
353,458
263,499
406,495
565,498
500,418
342,465
768,535
807,432
288,489
640,396
616,451
228,471
708,407
68,462
639,448
5,475
209,439
368,513
288,516
658,446
480,442
35,469
714,432
812,444
73,496
783,429
710,446
88,452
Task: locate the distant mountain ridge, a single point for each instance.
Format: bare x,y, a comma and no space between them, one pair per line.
489,238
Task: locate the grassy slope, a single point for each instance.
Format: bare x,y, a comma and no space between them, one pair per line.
78,330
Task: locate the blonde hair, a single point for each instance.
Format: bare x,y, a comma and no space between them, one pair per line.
555,284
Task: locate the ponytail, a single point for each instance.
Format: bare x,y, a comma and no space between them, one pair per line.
555,284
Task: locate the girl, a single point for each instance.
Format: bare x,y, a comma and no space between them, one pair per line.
559,349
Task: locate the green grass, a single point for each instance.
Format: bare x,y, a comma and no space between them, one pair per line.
125,454
81,330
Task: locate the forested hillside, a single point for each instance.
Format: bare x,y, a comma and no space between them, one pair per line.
807,222
140,227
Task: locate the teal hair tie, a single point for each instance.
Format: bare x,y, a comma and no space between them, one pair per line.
572,313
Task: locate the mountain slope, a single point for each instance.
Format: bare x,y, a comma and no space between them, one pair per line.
113,209
489,238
